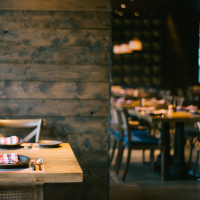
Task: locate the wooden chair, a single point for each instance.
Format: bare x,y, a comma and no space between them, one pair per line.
193,140
30,189
137,141
25,123
116,136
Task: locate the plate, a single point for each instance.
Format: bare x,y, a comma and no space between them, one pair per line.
49,143
9,146
23,162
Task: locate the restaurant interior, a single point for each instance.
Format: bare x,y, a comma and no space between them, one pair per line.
154,131
99,99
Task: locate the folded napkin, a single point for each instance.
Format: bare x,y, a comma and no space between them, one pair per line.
190,107
120,100
138,108
10,158
9,140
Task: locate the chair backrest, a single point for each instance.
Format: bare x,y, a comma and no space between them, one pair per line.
25,123
114,119
124,126
197,126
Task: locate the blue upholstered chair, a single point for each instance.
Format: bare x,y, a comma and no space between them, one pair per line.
136,129
136,141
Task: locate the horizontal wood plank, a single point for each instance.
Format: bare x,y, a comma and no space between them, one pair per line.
58,5
88,142
76,191
58,128
43,37
96,159
43,108
54,20
44,72
95,176
54,55
54,90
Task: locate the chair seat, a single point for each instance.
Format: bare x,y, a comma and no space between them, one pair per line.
142,140
133,133
191,133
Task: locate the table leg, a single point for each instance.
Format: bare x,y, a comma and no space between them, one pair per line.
178,168
166,141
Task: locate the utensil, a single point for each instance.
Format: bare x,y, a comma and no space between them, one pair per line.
33,166
39,161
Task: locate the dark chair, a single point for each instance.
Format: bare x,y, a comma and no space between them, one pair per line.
194,138
136,141
117,139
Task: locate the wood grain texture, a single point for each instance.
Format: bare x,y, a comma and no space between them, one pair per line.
96,159
54,20
54,55
88,142
56,37
54,90
75,191
58,5
58,127
68,171
46,108
43,72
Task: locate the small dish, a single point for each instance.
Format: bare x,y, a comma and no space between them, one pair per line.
49,143
23,162
10,146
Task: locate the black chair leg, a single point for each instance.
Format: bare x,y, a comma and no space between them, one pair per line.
163,165
196,164
113,150
143,156
127,164
152,168
120,153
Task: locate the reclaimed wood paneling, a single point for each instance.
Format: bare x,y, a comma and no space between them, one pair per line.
45,108
43,72
54,55
54,20
75,191
54,64
53,90
89,143
58,5
43,37
93,159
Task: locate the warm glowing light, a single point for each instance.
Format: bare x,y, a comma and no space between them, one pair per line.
117,49
120,13
132,0
136,13
123,5
116,11
125,48
135,45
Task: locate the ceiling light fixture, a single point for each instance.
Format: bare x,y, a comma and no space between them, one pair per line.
123,5
136,14
135,44
120,13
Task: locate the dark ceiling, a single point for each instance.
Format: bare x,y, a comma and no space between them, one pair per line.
157,7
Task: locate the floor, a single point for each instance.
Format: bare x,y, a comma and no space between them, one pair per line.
141,184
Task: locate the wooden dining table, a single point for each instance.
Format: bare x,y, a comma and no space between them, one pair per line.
175,165
60,166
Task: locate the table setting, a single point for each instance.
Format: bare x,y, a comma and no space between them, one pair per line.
14,162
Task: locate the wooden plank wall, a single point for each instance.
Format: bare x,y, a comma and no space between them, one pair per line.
54,64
